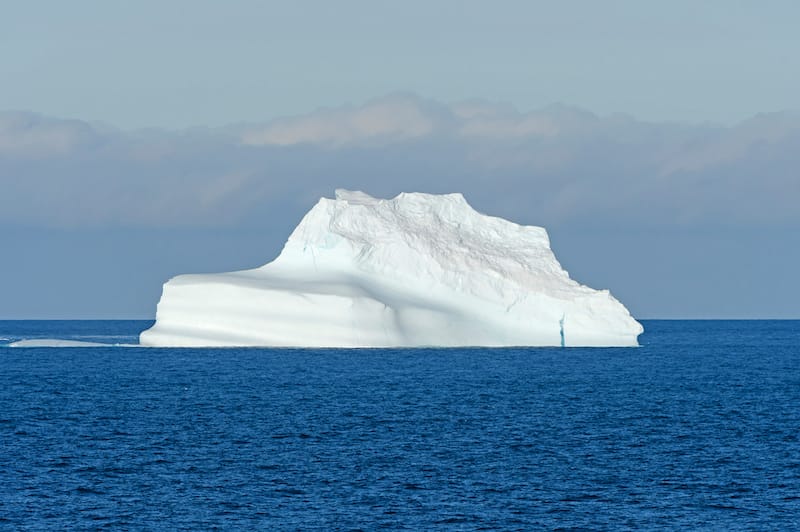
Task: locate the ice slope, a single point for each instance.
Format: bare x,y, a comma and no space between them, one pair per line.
415,270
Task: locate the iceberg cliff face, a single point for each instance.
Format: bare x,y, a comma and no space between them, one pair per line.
416,270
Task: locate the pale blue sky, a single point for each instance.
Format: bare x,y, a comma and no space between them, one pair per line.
687,206
199,62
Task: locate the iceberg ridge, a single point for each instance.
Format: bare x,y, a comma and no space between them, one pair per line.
415,270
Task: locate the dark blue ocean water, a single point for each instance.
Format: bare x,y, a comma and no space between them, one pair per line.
698,428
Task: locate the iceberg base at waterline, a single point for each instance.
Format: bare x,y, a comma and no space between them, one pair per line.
415,270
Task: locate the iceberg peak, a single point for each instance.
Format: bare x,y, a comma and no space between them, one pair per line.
417,269
354,197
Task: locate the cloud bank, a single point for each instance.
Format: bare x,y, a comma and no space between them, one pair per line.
679,220
554,166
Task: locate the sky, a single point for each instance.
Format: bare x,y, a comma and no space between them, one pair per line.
198,62
658,143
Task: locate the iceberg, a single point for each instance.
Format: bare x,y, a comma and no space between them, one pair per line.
415,270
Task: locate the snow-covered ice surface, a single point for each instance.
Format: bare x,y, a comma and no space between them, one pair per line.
415,270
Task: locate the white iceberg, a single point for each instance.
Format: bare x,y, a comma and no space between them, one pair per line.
416,270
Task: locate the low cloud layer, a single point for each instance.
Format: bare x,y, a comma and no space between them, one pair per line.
554,166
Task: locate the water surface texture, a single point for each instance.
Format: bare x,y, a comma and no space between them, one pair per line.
698,428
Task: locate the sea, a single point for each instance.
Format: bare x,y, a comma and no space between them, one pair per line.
698,428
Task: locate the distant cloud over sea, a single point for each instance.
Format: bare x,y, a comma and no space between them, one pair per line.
556,165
